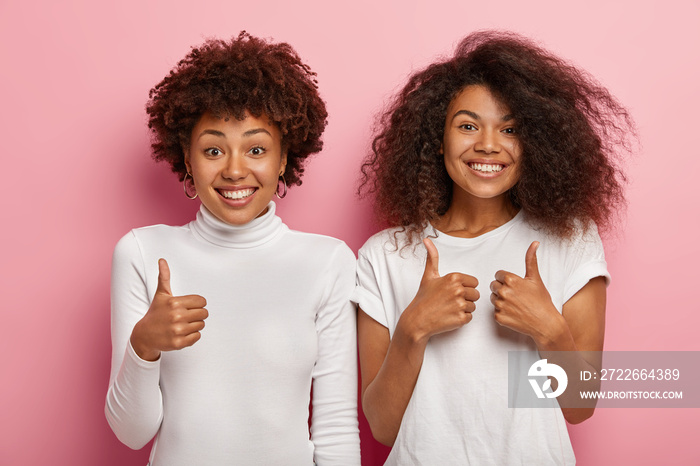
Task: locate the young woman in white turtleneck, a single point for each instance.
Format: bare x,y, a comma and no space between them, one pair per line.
277,312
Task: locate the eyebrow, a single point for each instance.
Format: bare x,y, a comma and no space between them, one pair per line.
247,134
254,131
477,117
212,132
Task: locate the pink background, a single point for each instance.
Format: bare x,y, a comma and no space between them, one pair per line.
74,78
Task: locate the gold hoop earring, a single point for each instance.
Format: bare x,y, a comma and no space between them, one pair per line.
184,186
284,190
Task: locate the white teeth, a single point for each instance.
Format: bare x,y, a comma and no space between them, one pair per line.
486,167
238,194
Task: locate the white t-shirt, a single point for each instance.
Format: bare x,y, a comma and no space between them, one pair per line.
279,317
458,413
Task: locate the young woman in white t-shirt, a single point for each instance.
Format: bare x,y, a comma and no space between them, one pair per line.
493,169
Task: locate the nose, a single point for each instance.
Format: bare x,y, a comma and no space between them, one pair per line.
235,168
488,142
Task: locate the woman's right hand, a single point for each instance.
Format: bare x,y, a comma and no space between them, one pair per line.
390,365
171,323
441,303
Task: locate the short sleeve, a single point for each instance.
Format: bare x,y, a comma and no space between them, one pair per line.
367,294
585,261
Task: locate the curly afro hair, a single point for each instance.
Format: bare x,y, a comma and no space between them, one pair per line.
569,126
228,78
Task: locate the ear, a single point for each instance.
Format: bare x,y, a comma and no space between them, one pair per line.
283,162
186,153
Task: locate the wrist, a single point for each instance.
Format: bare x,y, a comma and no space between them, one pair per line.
142,350
409,333
555,335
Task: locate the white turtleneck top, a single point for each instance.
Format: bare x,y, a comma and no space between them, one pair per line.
279,318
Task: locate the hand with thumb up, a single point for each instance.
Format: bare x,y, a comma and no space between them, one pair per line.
523,304
441,303
171,323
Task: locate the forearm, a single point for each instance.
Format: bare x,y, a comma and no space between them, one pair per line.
134,406
385,399
334,425
559,347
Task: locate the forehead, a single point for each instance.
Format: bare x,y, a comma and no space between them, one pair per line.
232,126
478,99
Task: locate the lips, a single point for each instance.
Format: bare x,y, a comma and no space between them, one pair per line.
236,194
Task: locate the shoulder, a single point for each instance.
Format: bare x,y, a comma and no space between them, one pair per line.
584,241
139,242
584,235
392,242
582,250
322,246
386,241
153,234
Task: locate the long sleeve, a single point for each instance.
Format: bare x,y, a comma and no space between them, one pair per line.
334,427
280,322
134,405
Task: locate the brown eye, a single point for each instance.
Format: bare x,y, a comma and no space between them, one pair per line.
258,150
213,152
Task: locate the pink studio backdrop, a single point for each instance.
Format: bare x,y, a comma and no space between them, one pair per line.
77,175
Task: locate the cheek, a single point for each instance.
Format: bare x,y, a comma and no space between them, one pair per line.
268,172
202,173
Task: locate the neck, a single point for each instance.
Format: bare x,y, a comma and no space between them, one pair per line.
258,231
469,216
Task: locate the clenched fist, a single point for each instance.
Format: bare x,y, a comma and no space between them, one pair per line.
171,323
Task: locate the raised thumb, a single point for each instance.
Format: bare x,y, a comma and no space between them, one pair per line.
531,268
431,262
163,277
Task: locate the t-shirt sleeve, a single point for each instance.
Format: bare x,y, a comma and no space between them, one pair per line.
134,405
367,294
585,261
334,425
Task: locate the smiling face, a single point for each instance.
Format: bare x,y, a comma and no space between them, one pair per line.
235,165
480,147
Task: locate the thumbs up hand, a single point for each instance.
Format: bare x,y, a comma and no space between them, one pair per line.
441,303
523,304
171,323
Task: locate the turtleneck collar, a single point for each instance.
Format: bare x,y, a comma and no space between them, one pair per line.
254,233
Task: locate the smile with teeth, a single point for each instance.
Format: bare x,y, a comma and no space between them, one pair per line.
237,194
486,167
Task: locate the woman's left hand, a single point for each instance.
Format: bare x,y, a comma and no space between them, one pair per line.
524,304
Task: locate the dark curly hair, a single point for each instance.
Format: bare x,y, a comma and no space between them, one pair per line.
229,78
569,128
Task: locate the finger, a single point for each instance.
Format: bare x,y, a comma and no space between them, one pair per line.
470,307
163,278
189,340
469,281
501,276
193,327
531,268
471,294
197,315
431,262
192,301
495,286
